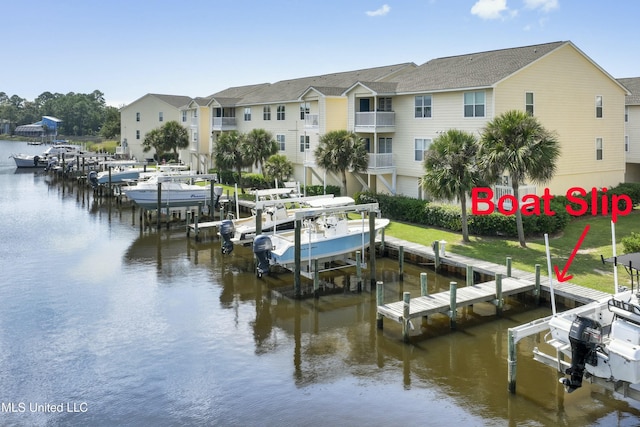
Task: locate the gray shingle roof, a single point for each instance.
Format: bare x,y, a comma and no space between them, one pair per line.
480,69
633,85
290,90
174,100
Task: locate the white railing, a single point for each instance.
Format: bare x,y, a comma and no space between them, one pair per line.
194,121
381,160
223,123
311,120
502,190
375,119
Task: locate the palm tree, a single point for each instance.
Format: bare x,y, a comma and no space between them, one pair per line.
451,170
517,143
174,136
260,145
153,139
278,167
229,153
339,151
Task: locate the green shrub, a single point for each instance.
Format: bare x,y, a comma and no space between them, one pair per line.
631,243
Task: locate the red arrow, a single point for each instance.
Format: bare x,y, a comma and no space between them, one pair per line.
562,276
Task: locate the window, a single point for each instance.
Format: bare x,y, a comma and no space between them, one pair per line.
184,116
305,108
280,141
474,104
266,112
626,114
247,114
384,145
421,145
599,106
137,134
160,117
599,150
626,143
423,106
528,103
137,117
280,113
384,104
304,143
195,136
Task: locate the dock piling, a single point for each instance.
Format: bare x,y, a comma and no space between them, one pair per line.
511,361
537,289
508,266
379,302
406,298
499,301
453,286
401,262
359,270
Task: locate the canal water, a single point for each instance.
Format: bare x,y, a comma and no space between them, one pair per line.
105,323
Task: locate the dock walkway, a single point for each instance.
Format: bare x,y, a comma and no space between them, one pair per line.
508,281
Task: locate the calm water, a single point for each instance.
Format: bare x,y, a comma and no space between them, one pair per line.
115,325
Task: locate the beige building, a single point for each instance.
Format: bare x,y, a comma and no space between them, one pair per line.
632,128
400,109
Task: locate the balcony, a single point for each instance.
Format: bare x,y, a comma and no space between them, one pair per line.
223,123
372,121
311,121
380,163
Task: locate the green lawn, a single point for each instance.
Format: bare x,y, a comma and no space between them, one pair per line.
587,268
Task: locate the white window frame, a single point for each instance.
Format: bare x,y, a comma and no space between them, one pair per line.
599,107
529,107
304,143
385,145
474,103
420,145
305,108
280,139
247,114
599,149
281,113
266,112
160,116
426,111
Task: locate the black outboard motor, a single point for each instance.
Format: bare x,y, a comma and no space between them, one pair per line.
36,160
584,336
93,179
262,247
227,230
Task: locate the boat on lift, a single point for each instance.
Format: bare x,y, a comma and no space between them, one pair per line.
49,157
327,235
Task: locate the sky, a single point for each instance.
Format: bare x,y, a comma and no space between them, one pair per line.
128,48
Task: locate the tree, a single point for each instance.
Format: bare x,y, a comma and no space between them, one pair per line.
259,146
229,153
174,137
451,170
153,139
111,126
278,167
517,143
339,151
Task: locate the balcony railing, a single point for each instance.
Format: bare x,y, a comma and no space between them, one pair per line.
380,160
223,123
311,121
371,120
502,190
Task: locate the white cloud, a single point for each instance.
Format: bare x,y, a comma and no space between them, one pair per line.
545,5
379,12
489,9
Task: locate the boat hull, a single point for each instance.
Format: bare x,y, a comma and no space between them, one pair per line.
27,161
323,245
148,198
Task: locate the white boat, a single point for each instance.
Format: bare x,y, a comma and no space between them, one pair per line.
277,216
175,186
329,237
49,157
601,338
118,172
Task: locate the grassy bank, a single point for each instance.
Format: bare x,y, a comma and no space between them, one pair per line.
587,268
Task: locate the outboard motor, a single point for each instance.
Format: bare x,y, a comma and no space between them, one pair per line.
36,161
584,336
227,230
262,247
93,179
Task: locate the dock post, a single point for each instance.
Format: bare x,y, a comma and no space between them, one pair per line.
316,279
359,270
372,246
401,261
508,266
424,291
259,222
511,361
436,253
379,302
195,226
537,290
469,275
453,286
382,242
499,301
159,205
188,219
297,258
406,298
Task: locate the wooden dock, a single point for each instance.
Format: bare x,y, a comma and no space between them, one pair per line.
508,281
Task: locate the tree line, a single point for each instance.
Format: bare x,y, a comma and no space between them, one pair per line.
81,114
